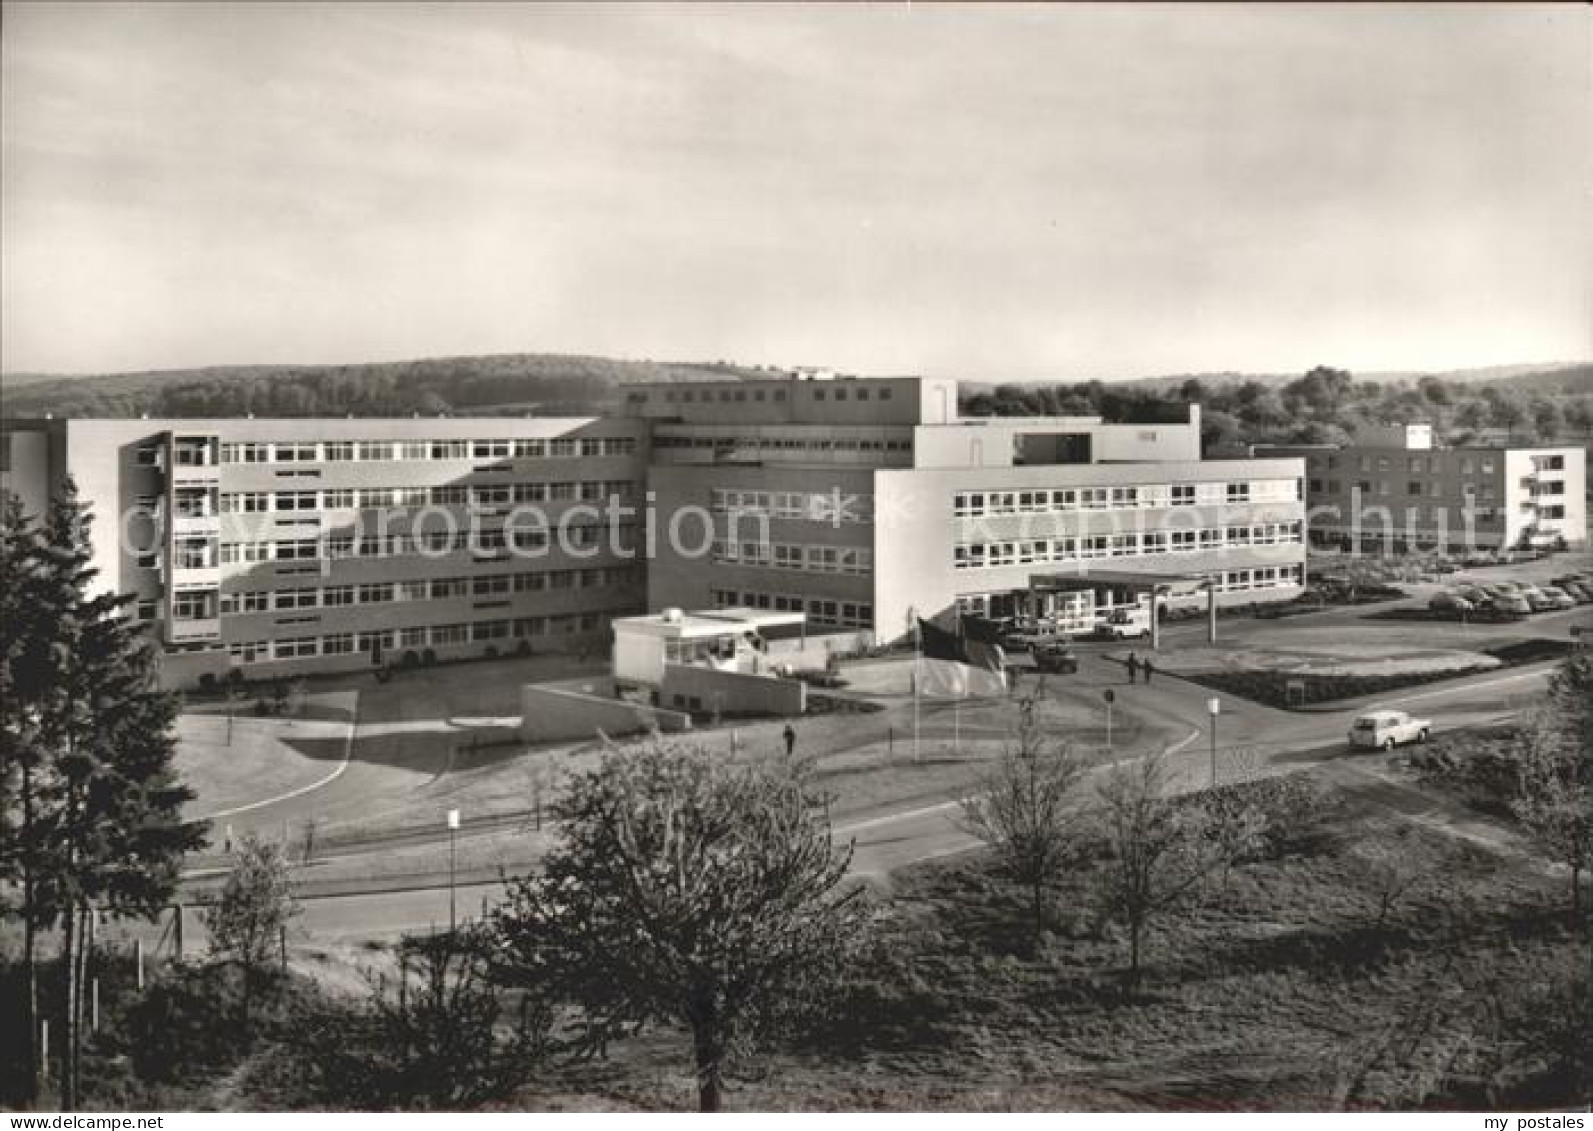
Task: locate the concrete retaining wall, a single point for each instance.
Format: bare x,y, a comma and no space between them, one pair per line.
688,688
556,714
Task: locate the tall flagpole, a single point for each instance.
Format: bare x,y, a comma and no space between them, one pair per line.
918,655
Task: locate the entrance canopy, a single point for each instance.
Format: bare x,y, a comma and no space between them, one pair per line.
1135,582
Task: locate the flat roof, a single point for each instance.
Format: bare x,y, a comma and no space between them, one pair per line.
708,622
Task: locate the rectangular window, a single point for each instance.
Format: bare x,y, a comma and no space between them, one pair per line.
450,449
296,598
192,606
340,500
376,592
303,549
295,649
337,451
296,501
340,645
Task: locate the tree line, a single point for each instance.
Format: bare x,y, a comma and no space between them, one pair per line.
1324,406
545,383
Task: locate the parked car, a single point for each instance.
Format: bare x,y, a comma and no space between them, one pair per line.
1558,597
1473,593
1448,602
1510,603
1055,657
1581,590
1384,730
1126,624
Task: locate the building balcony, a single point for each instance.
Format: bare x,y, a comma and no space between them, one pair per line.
195,525
191,475
193,631
190,577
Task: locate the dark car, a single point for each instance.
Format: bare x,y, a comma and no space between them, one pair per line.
1056,658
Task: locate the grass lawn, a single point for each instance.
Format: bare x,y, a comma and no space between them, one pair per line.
1280,990
252,759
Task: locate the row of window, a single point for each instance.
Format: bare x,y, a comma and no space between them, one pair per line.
781,444
817,506
575,538
413,639
977,504
482,495
820,610
425,589
784,555
1035,551
1469,465
757,394
336,451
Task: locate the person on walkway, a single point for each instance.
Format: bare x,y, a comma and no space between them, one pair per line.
790,739
1149,671
1133,667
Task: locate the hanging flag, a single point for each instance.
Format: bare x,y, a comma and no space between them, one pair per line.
955,667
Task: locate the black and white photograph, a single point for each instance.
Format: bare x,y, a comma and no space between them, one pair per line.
789,557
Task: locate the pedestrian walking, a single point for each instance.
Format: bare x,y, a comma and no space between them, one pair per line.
1149,671
790,739
1133,667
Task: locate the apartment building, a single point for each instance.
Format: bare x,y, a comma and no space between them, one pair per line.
281,546
1394,487
293,545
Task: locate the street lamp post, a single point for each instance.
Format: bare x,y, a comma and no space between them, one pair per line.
1214,708
453,830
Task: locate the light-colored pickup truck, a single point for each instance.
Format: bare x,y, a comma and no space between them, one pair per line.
1384,730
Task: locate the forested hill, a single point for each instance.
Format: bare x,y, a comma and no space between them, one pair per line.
544,383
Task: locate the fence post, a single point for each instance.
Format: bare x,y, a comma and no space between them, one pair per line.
138,962
94,1008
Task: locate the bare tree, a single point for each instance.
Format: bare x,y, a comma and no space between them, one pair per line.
686,890
1390,873
443,1035
246,921
1554,763
1024,810
1158,854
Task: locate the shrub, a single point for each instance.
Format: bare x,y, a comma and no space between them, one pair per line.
428,658
409,660
207,682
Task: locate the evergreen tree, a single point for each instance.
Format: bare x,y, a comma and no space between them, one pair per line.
101,804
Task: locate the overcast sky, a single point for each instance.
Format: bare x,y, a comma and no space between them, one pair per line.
971,191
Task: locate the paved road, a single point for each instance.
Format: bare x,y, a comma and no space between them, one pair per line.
404,748
1256,741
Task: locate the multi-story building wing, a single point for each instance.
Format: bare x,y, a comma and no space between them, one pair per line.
287,545
1394,488
867,503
